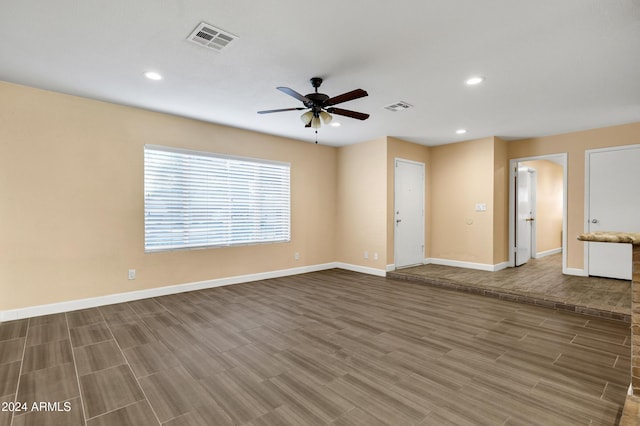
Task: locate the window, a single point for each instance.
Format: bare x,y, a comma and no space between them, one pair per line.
199,199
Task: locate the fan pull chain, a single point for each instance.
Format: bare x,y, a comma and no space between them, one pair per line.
316,135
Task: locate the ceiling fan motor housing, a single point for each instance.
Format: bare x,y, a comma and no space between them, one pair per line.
317,99
316,82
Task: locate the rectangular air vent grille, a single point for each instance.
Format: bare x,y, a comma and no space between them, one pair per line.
398,106
211,37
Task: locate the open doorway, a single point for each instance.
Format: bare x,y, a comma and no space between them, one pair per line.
526,212
537,208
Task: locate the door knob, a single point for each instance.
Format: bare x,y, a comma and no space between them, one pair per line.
398,220
594,220
530,219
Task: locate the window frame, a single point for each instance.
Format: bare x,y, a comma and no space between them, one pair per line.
280,209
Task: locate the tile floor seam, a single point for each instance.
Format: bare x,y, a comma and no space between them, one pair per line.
146,398
616,361
24,350
75,367
113,411
604,391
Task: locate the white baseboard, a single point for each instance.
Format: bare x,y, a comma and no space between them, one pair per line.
548,252
576,272
468,265
362,269
391,267
73,305
500,266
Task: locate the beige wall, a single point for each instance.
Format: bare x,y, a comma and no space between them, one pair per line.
462,175
397,148
549,180
362,204
575,144
71,214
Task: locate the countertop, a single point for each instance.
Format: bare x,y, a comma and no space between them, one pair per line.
612,237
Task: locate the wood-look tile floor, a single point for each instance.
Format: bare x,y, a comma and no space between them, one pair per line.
538,281
331,347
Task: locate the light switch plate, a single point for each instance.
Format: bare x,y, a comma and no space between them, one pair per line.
481,207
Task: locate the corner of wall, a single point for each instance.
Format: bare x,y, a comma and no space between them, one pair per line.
462,176
500,201
361,238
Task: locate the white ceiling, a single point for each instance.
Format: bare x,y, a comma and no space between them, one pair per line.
551,66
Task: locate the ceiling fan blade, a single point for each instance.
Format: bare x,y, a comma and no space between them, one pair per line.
269,111
295,94
348,113
349,96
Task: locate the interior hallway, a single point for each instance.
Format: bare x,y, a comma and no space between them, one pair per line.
539,281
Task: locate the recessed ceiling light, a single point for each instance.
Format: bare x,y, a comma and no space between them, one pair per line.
461,131
335,124
474,80
152,75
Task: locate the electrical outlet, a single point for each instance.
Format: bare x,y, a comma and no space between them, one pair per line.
296,256
375,256
366,254
132,274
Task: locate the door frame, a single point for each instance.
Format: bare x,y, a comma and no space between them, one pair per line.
423,227
533,243
561,159
587,192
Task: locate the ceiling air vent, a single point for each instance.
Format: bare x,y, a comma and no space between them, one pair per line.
398,106
211,37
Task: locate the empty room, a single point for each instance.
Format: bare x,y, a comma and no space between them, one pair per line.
341,213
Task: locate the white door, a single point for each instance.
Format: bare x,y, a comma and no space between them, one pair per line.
613,205
409,213
525,208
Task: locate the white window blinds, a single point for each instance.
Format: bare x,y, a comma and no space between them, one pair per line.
198,199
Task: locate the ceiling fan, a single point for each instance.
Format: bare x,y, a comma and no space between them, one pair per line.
320,106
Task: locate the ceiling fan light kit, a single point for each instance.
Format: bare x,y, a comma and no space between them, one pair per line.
326,117
320,106
306,117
